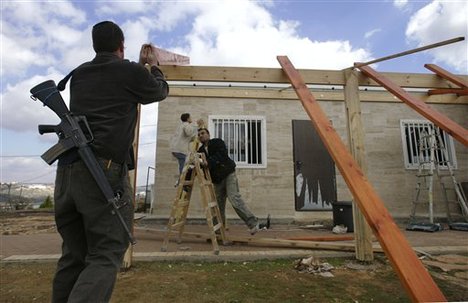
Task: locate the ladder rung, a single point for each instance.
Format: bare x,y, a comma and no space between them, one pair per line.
212,204
182,203
217,226
178,224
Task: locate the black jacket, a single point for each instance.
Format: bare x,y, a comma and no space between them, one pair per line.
107,91
219,163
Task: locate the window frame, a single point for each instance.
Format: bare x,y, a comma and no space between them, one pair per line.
263,145
412,165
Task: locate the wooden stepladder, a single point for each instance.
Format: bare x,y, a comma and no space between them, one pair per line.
193,171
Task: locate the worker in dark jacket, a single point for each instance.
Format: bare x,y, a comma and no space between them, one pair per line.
223,174
107,91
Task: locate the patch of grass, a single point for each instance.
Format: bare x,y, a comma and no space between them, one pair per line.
260,281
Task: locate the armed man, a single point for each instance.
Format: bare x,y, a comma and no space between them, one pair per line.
106,91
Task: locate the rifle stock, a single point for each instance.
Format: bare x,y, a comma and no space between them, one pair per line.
48,94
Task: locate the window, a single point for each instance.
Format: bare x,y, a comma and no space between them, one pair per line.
245,138
412,133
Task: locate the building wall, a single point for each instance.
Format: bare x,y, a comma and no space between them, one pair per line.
271,190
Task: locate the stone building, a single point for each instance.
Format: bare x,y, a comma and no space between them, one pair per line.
260,118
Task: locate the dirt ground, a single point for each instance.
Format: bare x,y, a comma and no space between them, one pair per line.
258,281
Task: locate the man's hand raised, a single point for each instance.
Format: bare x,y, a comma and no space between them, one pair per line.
148,55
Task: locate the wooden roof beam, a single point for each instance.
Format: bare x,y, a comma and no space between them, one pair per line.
448,125
310,76
447,75
443,91
412,273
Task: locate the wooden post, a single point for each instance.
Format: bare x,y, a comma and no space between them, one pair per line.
362,231
127,260
451,127
412,273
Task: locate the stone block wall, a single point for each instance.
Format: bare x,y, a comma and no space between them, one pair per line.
270,190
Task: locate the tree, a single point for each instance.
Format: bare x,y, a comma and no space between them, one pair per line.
47,203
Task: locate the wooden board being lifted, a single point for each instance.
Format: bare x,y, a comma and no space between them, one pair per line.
169,58
412,273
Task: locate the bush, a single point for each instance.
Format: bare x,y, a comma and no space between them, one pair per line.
47,203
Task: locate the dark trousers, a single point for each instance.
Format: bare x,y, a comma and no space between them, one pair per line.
94,242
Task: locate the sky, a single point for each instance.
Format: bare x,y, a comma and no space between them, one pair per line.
43,40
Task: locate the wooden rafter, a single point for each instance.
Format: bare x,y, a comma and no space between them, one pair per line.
443,91
447,75
412,273
448,125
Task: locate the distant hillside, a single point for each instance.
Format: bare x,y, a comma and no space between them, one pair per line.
31,192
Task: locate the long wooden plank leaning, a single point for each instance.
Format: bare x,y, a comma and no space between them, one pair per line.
448,125
412,273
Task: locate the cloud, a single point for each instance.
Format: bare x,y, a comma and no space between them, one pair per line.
37,34
243,33
136,33
400,3
235,33
370,33
27,169
439,21
19,112
109,8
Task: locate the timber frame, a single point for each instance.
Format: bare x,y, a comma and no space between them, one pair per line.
325,85
197,81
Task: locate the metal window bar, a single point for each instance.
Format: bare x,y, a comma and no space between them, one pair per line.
243,138
414,132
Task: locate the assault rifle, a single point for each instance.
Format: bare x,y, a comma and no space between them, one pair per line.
71,135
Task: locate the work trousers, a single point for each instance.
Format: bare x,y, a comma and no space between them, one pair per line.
94,241
181,160
229,187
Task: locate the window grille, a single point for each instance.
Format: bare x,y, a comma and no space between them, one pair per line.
245,138
411,133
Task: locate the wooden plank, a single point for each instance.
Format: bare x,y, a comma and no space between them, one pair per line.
412,273
447,75
412,51
132,174
440,91
169,58
274,242
275,75
323,238
448,125
362,231
366,96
